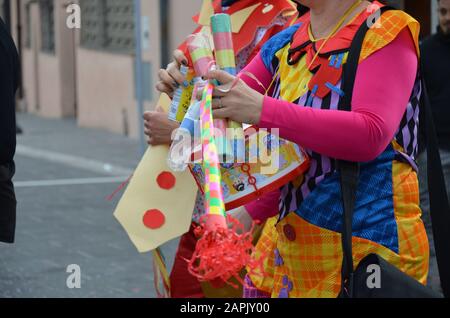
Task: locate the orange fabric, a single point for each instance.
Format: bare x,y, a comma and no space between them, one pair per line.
266,246
390,25
313,260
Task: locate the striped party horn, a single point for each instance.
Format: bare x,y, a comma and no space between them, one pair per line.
201,53
221,252
215,216
203,60
224,51
223,42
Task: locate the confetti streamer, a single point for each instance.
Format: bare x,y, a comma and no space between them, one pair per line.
160,269
221,252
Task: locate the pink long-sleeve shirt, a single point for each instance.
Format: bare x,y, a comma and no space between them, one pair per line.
382,90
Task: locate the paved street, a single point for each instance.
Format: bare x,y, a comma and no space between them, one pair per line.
64,174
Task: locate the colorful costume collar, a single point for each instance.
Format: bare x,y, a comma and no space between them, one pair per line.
340,42
248,16
327,67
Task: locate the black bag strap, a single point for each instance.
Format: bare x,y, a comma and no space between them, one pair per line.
350,171
349,177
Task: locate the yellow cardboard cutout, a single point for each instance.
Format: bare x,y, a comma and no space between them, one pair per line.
206,12
144,194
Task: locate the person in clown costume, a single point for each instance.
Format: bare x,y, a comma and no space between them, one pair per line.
301,70
258,21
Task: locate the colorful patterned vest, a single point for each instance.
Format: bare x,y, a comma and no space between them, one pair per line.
304,246
320,88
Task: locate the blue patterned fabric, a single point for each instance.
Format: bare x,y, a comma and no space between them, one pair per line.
374,218
276,43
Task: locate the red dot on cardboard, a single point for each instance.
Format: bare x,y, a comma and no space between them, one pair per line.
166,180
154,219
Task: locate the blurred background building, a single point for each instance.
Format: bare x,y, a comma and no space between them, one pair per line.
88,73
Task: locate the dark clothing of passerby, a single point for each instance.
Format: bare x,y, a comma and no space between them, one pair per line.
9,79
436,71
436,62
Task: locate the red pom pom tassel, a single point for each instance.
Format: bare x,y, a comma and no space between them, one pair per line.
222,253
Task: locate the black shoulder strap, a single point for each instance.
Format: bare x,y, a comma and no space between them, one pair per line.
349,175
349,171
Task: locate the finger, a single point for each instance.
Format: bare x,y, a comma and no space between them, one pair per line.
220,113
180,58
159,109
146,116
175,73
218,103
147,132
164,88
221,91
221,76
165,77
156,140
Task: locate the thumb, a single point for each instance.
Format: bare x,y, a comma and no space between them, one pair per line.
180,57
159,109
221,76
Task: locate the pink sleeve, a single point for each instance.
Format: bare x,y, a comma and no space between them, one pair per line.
268,205
382,89
257,68
265,207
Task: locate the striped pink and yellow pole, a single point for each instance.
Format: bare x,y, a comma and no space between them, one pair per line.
224,51
221,252
215,216
203,60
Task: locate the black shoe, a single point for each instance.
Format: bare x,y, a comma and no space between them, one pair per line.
19,130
